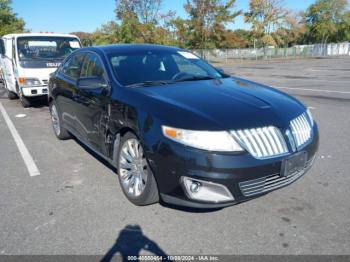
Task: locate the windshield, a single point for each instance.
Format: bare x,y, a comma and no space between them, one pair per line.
45,47
160,67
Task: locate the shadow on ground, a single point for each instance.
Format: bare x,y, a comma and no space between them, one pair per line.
130,242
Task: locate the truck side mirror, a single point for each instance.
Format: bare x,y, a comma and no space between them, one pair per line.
2,47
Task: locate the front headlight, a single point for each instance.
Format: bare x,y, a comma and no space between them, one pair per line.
310,116
29,82
206,140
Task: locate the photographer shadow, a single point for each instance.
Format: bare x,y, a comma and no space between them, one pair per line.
130,242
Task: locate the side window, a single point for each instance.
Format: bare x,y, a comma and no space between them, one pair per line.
2,47
92,67
72,67
8,47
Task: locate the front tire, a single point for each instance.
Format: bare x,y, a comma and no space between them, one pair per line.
135,176
56,120
24,100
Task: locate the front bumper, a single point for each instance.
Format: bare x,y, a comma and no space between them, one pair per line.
243,175
35,91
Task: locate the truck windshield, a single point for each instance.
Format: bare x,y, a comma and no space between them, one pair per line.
47,48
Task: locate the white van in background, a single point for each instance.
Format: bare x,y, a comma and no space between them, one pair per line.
27,60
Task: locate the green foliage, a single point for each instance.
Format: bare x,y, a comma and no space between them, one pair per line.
327,20
141,21
9,23
207,20
265,16
343,33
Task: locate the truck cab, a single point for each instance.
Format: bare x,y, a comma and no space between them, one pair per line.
28,59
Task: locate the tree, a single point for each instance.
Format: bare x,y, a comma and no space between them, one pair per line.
179,31
207,21
234,40
292,30
343,33
85,38
106,34
9,22
139,20
244,37
265,16
325,18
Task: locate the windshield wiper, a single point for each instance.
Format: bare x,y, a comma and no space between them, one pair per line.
166,82
149,83
196,78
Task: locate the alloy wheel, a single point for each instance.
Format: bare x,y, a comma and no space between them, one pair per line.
133,168
55,120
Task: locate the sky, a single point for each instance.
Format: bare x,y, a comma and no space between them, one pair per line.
65,16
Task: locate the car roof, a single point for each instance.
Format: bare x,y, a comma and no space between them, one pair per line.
108,49
38,34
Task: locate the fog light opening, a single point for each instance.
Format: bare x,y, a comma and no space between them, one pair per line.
195,186
205,190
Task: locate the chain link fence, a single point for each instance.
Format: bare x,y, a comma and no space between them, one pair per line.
267,53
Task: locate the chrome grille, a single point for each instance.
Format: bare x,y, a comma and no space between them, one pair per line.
262,142
45,81
301,130
271,182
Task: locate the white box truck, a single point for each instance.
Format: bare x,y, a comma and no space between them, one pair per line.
27,60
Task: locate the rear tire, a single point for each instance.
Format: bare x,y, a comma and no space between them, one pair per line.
56,121
11,95
134,173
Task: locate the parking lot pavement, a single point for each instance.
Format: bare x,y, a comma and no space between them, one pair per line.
75,205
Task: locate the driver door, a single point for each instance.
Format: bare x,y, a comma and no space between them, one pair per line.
91,102
8,62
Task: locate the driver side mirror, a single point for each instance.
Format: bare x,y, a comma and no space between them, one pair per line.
220,70
92,83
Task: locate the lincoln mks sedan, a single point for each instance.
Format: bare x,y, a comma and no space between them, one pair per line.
178,130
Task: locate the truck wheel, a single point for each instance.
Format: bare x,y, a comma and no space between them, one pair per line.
60,132
11,95
135,176
24,101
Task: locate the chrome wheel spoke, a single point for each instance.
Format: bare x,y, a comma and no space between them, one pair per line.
127,157
126,175
137,183
131,149
125,165
55,120
144,175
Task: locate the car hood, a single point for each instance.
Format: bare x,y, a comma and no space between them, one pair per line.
221,104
